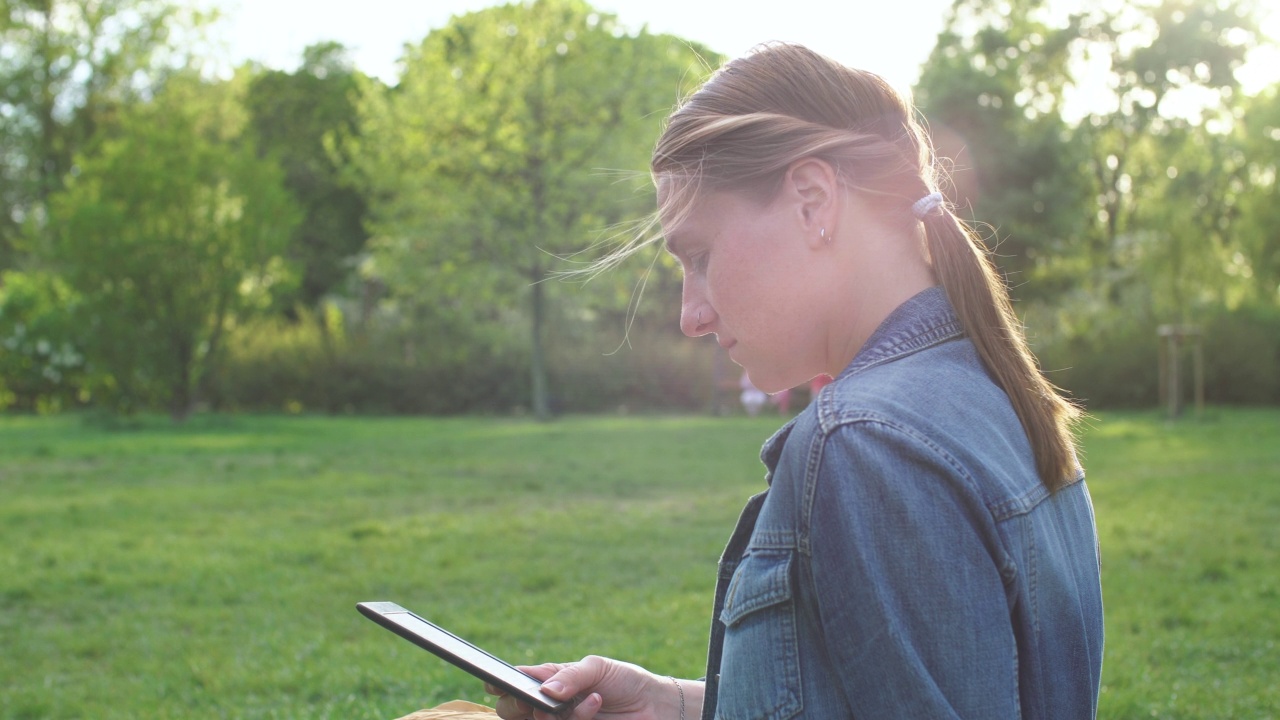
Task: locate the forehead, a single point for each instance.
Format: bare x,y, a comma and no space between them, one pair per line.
688,223
700,219
689,207
687,214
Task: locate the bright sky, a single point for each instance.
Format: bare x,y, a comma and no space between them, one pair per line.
889,38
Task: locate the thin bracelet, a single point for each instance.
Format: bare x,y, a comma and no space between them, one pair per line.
681,689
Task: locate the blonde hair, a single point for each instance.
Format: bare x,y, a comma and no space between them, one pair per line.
762,112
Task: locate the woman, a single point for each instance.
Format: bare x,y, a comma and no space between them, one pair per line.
926,548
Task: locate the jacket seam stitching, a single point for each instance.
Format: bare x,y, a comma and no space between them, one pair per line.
923,340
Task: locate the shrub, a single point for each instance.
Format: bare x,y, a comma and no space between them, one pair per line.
1242,356
653,371
277,365
1117,365
1113,368
42,366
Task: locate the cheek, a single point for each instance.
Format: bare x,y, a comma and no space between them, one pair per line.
721,281
747,269
739,293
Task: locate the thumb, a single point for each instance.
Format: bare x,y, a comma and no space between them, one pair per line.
576,678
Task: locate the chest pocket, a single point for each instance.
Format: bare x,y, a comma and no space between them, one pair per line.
760,669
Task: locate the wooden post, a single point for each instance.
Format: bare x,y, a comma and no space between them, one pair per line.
1162,360
1172,339
1198,357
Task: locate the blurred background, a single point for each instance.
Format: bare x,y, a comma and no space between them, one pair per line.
322,208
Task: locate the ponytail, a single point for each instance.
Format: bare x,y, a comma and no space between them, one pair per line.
981,301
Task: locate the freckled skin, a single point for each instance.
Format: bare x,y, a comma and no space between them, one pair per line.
793,287
748,278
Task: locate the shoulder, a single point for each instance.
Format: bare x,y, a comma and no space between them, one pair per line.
935,413
943,383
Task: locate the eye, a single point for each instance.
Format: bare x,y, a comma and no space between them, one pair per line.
698,263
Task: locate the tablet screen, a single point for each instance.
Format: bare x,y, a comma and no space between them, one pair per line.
465,651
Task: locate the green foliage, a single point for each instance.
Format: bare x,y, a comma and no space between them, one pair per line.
1114,365
166,232
1258,210
137,201
1111,221
1159,53
42,366
1068,198
1242,356
274,364
211,569
992,98
68,68
653,370
1109,356
292,117
499,149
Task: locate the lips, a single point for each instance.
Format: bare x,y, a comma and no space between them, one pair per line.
726,344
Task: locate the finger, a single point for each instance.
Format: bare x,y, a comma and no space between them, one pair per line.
510,708
585,710
588,708
537,672
541,672
575,678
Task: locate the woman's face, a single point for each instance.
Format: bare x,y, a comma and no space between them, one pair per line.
745,270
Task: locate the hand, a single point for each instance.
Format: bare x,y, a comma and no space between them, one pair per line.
608,689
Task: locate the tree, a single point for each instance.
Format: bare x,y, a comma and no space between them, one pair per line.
493,155
69,66
1157,54
992,91
1119,139
167,230
1257,138
1094,183
293,115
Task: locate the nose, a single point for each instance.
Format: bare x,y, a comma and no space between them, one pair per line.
697,317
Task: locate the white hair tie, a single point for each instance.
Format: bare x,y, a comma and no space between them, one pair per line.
930,204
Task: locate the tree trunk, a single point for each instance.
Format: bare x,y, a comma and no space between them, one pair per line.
181,400
537,360
47,172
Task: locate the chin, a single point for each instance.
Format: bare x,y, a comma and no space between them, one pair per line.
771,383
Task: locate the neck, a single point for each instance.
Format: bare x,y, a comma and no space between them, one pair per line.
879,271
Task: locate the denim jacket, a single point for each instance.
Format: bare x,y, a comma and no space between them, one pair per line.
906,561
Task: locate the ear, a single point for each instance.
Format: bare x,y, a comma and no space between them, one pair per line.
812,186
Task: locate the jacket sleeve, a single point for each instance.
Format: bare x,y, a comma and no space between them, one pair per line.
907,575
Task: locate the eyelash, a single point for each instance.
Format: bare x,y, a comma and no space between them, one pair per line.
698,263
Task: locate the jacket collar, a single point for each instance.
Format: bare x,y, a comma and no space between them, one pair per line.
924,320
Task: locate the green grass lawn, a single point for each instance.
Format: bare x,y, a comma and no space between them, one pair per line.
212,570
